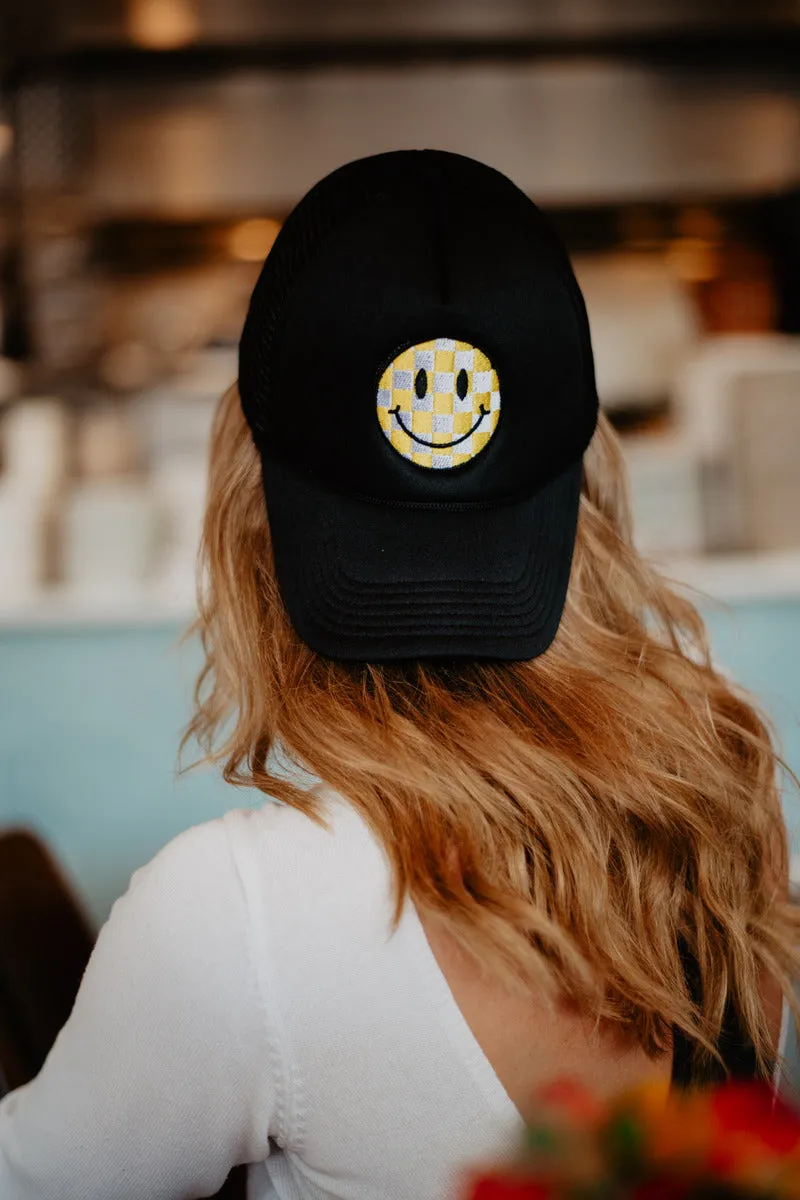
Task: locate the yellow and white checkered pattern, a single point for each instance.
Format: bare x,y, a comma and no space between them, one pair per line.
439,428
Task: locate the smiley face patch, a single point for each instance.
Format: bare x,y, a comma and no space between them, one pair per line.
439,402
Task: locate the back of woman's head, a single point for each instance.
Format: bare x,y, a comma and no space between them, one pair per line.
574,819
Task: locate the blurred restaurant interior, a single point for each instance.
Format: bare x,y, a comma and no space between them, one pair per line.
149,150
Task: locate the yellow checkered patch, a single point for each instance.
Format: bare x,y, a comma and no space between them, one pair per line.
439,402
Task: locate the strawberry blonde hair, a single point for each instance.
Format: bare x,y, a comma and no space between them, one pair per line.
568,819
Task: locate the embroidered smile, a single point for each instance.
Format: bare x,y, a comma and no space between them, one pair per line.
438,445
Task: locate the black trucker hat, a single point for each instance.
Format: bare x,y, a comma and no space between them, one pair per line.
416,370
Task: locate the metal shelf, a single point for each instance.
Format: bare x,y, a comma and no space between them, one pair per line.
748,46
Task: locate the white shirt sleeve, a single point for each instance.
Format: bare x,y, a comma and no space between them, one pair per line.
166,1074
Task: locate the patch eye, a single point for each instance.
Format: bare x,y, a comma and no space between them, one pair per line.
462,384
421,383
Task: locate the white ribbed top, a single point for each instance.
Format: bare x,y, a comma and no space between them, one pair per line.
246,1003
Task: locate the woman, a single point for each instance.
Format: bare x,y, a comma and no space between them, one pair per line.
528,829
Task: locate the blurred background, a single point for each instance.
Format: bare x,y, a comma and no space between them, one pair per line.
149,150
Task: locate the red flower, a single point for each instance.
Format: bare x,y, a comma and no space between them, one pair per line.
498,1188
724,1159
572,1098
754,1109
662,1188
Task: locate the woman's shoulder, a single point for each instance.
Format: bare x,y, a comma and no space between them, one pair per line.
274,856
287,857
273,833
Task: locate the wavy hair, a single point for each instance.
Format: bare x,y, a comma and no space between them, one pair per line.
569,819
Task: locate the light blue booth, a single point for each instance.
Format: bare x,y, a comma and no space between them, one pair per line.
91,718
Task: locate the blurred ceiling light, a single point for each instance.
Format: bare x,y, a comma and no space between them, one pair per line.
250,241
162,24
700,223
6,139
641,227
693,260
